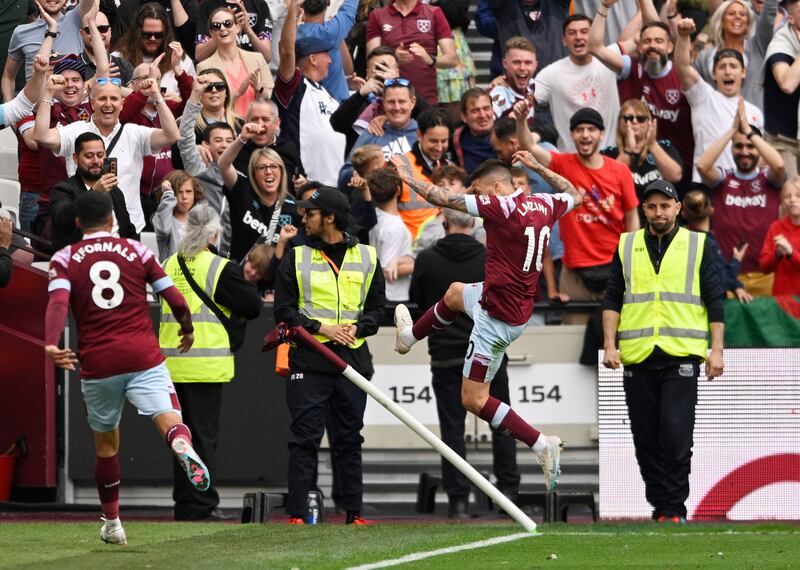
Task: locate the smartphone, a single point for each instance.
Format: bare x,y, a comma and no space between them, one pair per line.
234,7
110,165
163,90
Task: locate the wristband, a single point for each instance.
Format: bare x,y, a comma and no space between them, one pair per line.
49,34
159,101
675,15
48,101
433,61
599,13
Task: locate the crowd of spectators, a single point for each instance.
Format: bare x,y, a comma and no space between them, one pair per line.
246,104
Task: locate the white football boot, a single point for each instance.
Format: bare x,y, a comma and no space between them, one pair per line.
402,320
550,461
112,532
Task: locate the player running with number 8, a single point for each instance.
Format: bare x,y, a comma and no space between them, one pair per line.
103,279
517,235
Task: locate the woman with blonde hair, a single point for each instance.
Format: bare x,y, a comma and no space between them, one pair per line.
246,72
179,193
257,201
637,147
734,25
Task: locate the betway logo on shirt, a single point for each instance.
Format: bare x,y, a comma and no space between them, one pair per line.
257,225
670,115
757,201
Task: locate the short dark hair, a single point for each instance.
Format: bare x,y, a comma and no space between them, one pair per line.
430,118
409,88
574,18
384,185
310,185
214,127
504,128
94,208
726,53
449,172
314,7
340,221
83,138
472,94
492,166
657,24
381,50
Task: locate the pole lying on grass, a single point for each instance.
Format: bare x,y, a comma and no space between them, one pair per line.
283,333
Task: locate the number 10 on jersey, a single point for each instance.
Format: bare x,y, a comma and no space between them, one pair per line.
543,240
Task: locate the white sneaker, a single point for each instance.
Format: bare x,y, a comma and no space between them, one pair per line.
112,532
402,320
195,469
550,461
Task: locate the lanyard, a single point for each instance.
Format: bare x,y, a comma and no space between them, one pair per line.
330,262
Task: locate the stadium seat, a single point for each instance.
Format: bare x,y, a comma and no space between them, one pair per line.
9,196
9,157
149,239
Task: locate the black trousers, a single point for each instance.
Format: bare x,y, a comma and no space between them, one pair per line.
447,388
200,405
661,407
308,396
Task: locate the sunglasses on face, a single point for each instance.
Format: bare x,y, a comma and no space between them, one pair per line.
397,81
637,118
106,80
216,86
153,35
101,29
217,26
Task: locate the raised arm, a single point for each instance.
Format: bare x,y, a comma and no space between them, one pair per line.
192,161
558,182
609,57
288,61
225,162
42,133
262,46
706,164
434,194
648,10
168,134
101,61
687,74
528,140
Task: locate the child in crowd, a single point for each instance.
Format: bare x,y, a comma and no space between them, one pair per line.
390,236
366,160
179,193
453,179
782,242
696,212
519,178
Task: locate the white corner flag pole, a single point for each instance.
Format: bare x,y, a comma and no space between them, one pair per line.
283,334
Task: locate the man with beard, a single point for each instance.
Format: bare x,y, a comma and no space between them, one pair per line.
90,150
591,231
26,39
712,109
576,81
651,77
472,142
746,199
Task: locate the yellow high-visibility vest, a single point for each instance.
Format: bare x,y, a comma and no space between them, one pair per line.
328,299
210,359
662,309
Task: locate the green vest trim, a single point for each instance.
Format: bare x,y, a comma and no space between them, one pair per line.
210,358
332,299
662,309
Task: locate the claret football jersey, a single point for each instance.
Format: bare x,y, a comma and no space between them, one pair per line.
106,278
517,236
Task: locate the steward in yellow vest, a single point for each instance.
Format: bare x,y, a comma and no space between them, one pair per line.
663,301
200,373
334,288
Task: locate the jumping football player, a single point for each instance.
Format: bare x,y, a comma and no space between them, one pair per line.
517,235
103,279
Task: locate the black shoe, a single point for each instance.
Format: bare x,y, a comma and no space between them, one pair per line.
459,508
213,516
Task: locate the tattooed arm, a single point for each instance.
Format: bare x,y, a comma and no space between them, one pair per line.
434,194
558,182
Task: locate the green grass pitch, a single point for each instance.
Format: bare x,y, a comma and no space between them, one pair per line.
328,546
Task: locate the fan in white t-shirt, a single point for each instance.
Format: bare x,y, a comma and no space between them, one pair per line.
390,237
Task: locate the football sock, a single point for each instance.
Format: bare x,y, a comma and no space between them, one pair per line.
505,420
106,476
434,319
178,430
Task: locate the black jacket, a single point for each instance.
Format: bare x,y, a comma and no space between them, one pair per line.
710,286
241,297
286,300
63,212
6,266
455,257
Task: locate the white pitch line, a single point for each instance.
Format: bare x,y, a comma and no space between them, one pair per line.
449,550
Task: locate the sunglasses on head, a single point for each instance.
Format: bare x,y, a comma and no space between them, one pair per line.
637,118
216,86
397,81
106,80
153,35
217,26
101,29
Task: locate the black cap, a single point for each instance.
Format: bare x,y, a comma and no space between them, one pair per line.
661,186
326,198
586,115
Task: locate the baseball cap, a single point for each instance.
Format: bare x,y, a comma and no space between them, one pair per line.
309,45
661,186
326,198
586,115
73,62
